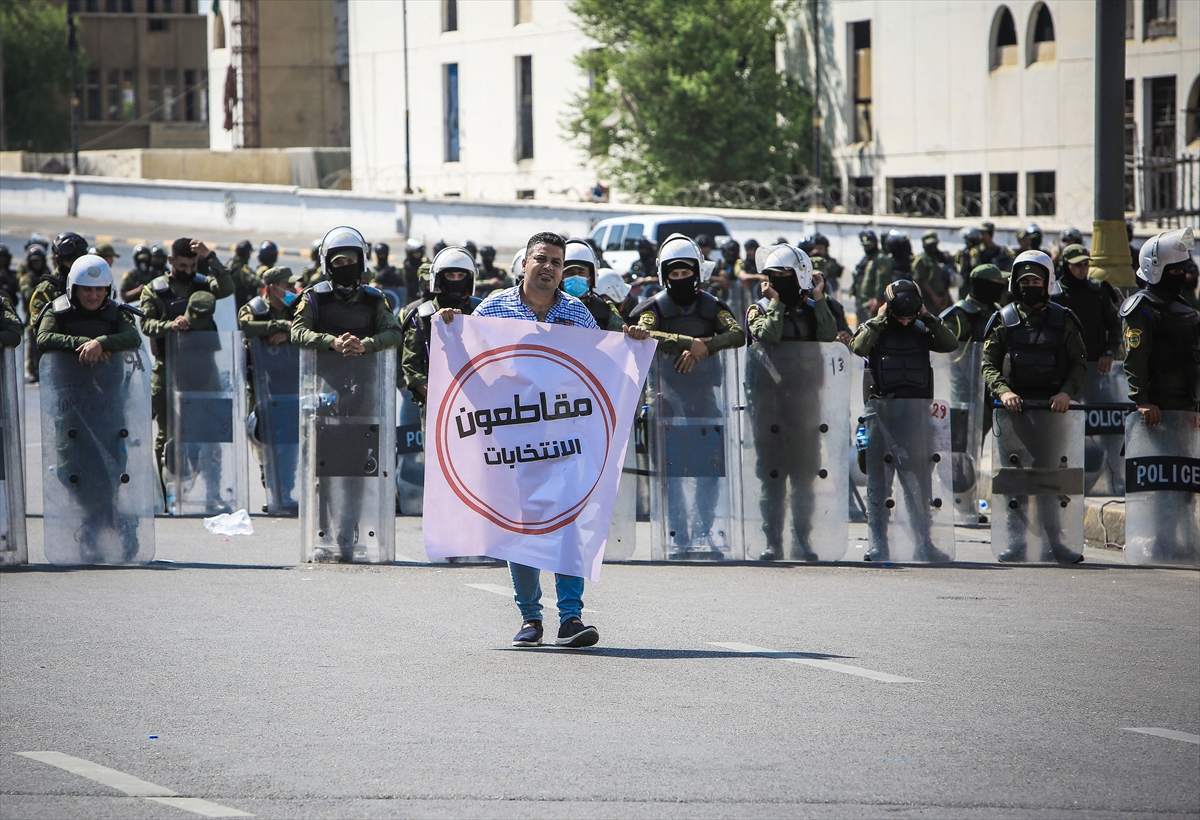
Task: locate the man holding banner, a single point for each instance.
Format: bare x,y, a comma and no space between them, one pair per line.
542,409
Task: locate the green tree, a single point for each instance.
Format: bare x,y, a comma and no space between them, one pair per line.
686,92
37,76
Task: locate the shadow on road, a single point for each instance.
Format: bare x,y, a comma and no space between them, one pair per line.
670,654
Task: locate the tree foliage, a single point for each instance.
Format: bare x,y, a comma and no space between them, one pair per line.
37,76
686,92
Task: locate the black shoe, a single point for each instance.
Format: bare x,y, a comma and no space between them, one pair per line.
574,634
931,555
1012,555
1063,555
677,554
769,555
530,634
877,554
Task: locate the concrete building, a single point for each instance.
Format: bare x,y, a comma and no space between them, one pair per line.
961,108
144,84
489,83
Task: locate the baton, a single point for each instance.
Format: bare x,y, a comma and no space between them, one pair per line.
132,310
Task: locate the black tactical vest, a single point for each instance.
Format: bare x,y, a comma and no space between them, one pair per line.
335,317
175,306
1086,301
700,322
75,321
422,317
976,317
1037,355
259,309
799,323
899,361
598,308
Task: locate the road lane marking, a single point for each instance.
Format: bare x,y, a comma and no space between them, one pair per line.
832,666
132,786
1169,734
508,593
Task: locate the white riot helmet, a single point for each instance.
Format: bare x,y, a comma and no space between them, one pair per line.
611,284
1028,262
458,291
340,240
90,271
579,253
413,245
517,263
1168,248
787,257
678,248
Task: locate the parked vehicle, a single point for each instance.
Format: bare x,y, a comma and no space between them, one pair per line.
618,237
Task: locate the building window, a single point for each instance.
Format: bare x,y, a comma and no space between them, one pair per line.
92,6
93,110
525,108
189,6
861,81
1159,18
1130,19
218,34
1161,135
158,24
1192,128
112,99
1041,35
1004,39
127,6
522,12
154,97
450,105
525,194
1004,195
968,195
1130,148
189,95
860,195
151,6
111,6
1039,193
917,196
170,89
168,6
128,95
449,15
74,6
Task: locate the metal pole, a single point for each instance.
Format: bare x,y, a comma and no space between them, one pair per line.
817,121
1110,248
407,147
73,48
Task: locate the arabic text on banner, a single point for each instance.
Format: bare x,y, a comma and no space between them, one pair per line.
526,431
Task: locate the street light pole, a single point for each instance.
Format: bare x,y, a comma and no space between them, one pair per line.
817,121
1111,259
73,48
407,148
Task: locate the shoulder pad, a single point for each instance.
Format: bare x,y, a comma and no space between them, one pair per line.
1094,286
426,309
372,291
1009,315
160,284
948,312
643,306
62,304
1056,314
1070,314
200,279
1132,302
969,307
664,304
763,305
324,286
710,305
259,307
472,303
920,327
111,311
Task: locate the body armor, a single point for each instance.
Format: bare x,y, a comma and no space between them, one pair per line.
976,317
900,362
1085,300
173,306
422,317
799,323
699,323
1037,356
1176,340
74,321
598,308
259,308
335,317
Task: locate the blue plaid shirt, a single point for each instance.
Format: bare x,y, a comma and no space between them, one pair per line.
507,304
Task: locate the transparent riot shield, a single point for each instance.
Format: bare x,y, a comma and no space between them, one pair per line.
98,459
795,470
1162,489
347,447
910,515
206,452
966,433
277,414
622,533
692,495
1037,488
857,509
410,455
1104,464
13,547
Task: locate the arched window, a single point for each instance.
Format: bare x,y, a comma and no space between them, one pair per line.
1004,39
1041,35
1192,127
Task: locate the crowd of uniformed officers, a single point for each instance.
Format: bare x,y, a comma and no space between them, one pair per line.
1040,319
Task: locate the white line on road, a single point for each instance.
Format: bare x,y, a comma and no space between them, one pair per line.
1169,734
508,593
132,786
832,666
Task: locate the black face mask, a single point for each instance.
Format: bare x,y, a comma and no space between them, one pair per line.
788,288
1171,284
181,276
988,290
347,277
683,291
453,294
1034,297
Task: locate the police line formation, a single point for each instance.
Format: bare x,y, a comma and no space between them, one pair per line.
766,425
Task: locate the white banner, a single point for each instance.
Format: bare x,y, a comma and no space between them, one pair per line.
526,431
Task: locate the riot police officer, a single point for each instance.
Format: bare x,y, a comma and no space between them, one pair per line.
988,251
11,328
929,271
138,276
824,264
1162,331
268,315
386,277
968,318
414,257
246,282
310,274
579,280
268,255
158,260
1034,350
793,308
491,278
690,325
66,249
1030,237
876,274
194,268
8,277
1092,303
971,237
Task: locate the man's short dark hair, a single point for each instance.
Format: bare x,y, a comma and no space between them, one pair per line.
545,238
182,247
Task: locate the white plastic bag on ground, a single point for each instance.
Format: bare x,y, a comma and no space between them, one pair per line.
237,523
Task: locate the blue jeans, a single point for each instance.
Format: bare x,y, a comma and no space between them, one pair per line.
527,592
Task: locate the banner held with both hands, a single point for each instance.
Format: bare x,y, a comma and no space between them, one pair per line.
526,429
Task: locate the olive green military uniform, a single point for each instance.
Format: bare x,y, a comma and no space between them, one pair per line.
156,324
927,273
482,290
46,291
997,255
866,335
728,335
387,328
995,349
827,266
136,279
258,319
10,285
49,337
878,275
1159,368
312,275
11,328
766,324
246,282
959,321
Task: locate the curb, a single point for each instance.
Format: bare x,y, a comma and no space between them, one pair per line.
1104,523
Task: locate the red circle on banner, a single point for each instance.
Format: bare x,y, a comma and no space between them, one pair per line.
441,428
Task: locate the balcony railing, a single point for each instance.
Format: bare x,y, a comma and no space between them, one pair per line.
1167,189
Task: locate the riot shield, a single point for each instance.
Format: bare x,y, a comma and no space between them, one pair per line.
98,459
13,547
910,516
795,470
966,433
277,414
206,452
1037,489
347,451
622,533
410,455
692,492
1104,464
1162,489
